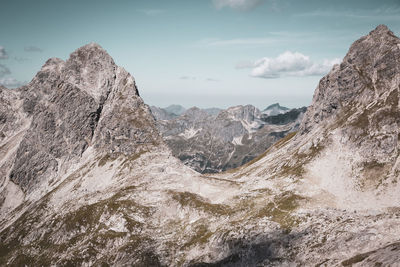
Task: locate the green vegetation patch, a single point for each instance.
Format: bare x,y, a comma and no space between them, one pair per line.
107,158
285,140
281,208
356,259
197,202
200,237
279,144
82,235
297,169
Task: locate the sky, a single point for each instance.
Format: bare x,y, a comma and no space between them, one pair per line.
204,53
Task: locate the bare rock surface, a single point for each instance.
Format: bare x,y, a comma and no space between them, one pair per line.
325,196
73,105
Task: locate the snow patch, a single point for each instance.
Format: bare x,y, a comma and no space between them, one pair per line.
189,133
13,198
237,140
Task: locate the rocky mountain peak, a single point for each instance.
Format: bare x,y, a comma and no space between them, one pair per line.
274,109
246,113
369,71
87,101
355,110
175,109
275,105
53,64
381,30
91,69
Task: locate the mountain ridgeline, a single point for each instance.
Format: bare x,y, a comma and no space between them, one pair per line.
214,140
86,179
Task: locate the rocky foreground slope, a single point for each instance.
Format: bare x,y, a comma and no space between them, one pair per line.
214,142
326,196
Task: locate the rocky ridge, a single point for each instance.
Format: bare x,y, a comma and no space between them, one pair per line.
211,143
303,202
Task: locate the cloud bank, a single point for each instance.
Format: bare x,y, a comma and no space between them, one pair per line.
237,4
288,64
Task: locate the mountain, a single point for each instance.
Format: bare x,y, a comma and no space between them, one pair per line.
175,109
69,112
227,139
275,109
212,111
327,195
162,114
344,158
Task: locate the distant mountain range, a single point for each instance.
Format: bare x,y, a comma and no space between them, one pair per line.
173,111
214,140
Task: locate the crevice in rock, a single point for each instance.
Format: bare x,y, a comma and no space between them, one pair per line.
97,114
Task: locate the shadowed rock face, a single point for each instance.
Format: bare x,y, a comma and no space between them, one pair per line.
85,101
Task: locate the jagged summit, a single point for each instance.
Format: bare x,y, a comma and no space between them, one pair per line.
381,30
368,72
91,69
84,102
348,141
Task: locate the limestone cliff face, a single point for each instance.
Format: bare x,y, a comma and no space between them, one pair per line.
368,73
87,101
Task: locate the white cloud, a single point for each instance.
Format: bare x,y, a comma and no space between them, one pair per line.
11,82
289,64
3,53
4,70
237,4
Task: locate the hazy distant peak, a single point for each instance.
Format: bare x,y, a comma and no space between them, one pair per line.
175,109
275,109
